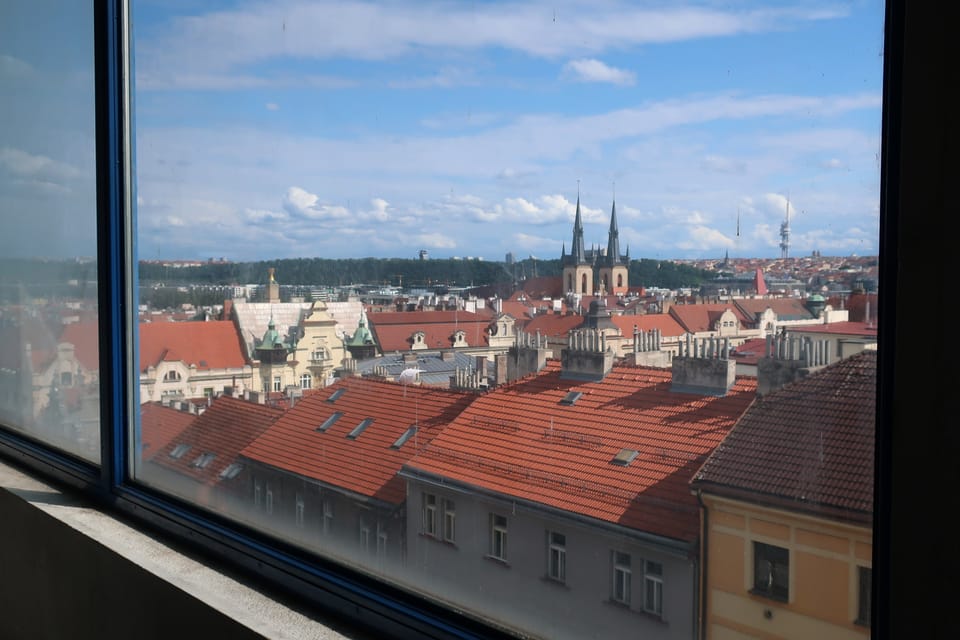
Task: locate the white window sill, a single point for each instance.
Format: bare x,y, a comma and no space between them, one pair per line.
71,570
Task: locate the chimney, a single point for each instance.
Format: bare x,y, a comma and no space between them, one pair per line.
703,366
528,355
409,358
646,349
789,358
466,380
586,357
448,356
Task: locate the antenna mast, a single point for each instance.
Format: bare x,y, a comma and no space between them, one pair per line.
785,234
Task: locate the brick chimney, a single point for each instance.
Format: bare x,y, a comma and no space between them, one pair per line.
703,366
586,356
788,359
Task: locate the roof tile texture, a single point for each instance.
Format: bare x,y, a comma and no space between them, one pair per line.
810,442
208,345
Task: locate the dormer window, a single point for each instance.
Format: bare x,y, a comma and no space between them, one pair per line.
172,376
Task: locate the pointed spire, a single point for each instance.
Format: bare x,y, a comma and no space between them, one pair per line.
577,252
613,240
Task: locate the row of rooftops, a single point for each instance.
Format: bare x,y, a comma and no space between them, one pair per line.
620,450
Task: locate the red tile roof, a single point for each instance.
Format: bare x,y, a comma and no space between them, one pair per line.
520,311
393,330
667,325
697,318
84,336
808,446
366,465
224,429
520,441
750,351
159,425
544,286
553,325
208,345
785,308
860,329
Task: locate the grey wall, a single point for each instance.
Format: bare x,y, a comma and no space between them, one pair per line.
519,594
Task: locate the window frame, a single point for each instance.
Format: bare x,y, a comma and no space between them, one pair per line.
557,557
621,589
764,552
110,484
653,583
498,533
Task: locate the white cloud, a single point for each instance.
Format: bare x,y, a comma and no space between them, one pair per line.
39,167
592,70
530,242
702,238
444,78
832,163
272,106
436,241
264,215
720,164
303,204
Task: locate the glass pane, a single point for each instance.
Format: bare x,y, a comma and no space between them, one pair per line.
405,265
49,360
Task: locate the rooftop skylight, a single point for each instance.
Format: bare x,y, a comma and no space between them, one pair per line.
336,395
357,430
329,422
404,437
179,450
571,398
625,457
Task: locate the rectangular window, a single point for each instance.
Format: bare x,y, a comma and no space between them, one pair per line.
557,556
498,536
277,383
430,514
771,571
365,538
621,577
865,588
268,501
449,521
327,517
299,510
257,494
306,381
381,541
653,587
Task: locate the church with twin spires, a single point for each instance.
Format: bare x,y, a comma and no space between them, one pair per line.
595,271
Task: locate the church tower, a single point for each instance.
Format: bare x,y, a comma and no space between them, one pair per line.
613,266
577,268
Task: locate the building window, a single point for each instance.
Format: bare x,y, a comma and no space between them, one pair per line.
430,514
365,537
622,578
653,587
771,571
557,556
327,517
172,376
381,541
66,379
299,510
207,392
498,536
266,384
257,494
306,381
449,521
268,501
277,383
865,580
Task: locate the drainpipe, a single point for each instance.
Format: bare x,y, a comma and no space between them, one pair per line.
701,623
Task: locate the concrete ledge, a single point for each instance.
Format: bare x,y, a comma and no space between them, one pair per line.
72,571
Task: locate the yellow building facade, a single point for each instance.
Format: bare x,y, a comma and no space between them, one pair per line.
828,566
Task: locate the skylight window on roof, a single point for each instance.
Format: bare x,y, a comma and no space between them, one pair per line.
625,457
201,461
179,450
329,422
404,437
357,430
336,395
231,471
571,398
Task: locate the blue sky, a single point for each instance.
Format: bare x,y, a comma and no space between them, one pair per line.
352,129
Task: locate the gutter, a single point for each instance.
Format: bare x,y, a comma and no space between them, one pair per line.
700,623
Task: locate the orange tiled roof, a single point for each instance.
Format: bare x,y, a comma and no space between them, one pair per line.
697,318
159,425
809,444
208,345
750,351
521,442
84,336
553,325
667,325
863,329
785,308
393,330
366,465
520,311
227,426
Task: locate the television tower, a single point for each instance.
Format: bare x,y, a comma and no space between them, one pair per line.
785,234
